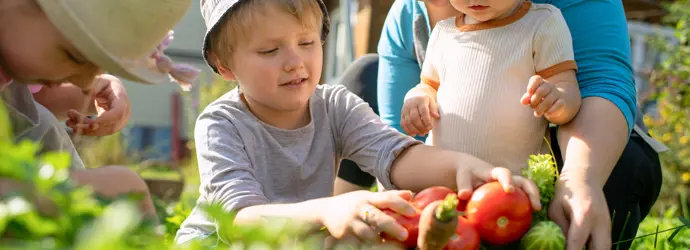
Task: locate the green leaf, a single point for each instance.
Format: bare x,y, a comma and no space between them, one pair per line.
675,232
685,221
5,125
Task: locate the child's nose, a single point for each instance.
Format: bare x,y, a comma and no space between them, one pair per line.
293,61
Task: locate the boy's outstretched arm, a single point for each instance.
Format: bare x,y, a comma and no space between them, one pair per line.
423,166
229,178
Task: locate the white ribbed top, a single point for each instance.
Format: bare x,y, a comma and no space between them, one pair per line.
481,71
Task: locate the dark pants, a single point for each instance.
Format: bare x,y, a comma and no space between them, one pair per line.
633,186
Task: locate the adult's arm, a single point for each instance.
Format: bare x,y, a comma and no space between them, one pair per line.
398,70
594,141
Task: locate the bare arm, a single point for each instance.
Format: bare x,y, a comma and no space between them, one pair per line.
307,211
566,84
590,151
413,170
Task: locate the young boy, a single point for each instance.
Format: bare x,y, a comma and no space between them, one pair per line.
480,66
270,147
50,42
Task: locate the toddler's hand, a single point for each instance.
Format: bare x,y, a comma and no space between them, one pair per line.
418,110
544,97
356,217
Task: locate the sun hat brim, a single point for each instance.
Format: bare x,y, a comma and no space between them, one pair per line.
141,70
221,7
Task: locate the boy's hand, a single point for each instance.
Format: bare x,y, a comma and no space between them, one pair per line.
356,217
476,172
112,105
544,97
418,110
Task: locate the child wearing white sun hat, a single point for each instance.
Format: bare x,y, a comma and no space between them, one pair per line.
50,42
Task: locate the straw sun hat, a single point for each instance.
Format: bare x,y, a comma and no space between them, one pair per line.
124,37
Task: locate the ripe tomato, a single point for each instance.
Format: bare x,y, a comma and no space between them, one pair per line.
411,224
465,238
431,194
499,217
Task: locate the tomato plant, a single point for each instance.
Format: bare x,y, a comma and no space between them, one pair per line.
411,224
465,238
431,194
499,217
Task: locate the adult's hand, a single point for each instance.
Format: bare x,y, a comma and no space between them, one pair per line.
112,106
579,206
580,209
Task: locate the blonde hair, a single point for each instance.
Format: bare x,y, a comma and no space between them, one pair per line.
237,23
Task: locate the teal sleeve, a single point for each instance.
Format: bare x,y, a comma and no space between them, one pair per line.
398,68
602,51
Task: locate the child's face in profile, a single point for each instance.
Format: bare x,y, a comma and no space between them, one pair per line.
32,50
279,64
485,10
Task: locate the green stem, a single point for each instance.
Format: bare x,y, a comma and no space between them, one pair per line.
447,210
553,155
662,231
684,202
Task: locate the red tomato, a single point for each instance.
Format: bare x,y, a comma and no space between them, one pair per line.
465,238
499,217
411,224
431,194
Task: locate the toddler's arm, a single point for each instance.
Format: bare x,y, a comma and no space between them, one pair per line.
557,98
555,67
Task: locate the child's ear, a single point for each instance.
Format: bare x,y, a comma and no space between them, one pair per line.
222,69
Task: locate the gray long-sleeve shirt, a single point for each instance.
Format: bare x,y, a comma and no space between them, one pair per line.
245,162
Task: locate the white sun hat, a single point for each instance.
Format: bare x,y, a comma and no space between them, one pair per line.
125,38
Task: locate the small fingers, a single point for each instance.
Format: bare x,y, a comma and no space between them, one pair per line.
534,82
394,200
364,232
556,107
375,218
416,121
531,189
75,116
405,126
426,116
538,96
546,104
503,176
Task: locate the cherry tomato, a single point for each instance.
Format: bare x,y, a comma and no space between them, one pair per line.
431,194
465,238
499,217
411,224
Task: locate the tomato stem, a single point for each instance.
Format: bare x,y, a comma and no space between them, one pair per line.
446,211
502,222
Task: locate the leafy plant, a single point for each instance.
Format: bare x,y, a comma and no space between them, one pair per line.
671,125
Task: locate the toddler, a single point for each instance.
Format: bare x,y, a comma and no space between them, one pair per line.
492,80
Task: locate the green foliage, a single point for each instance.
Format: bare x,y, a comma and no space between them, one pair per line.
543,171
672,93
40,208
658,230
